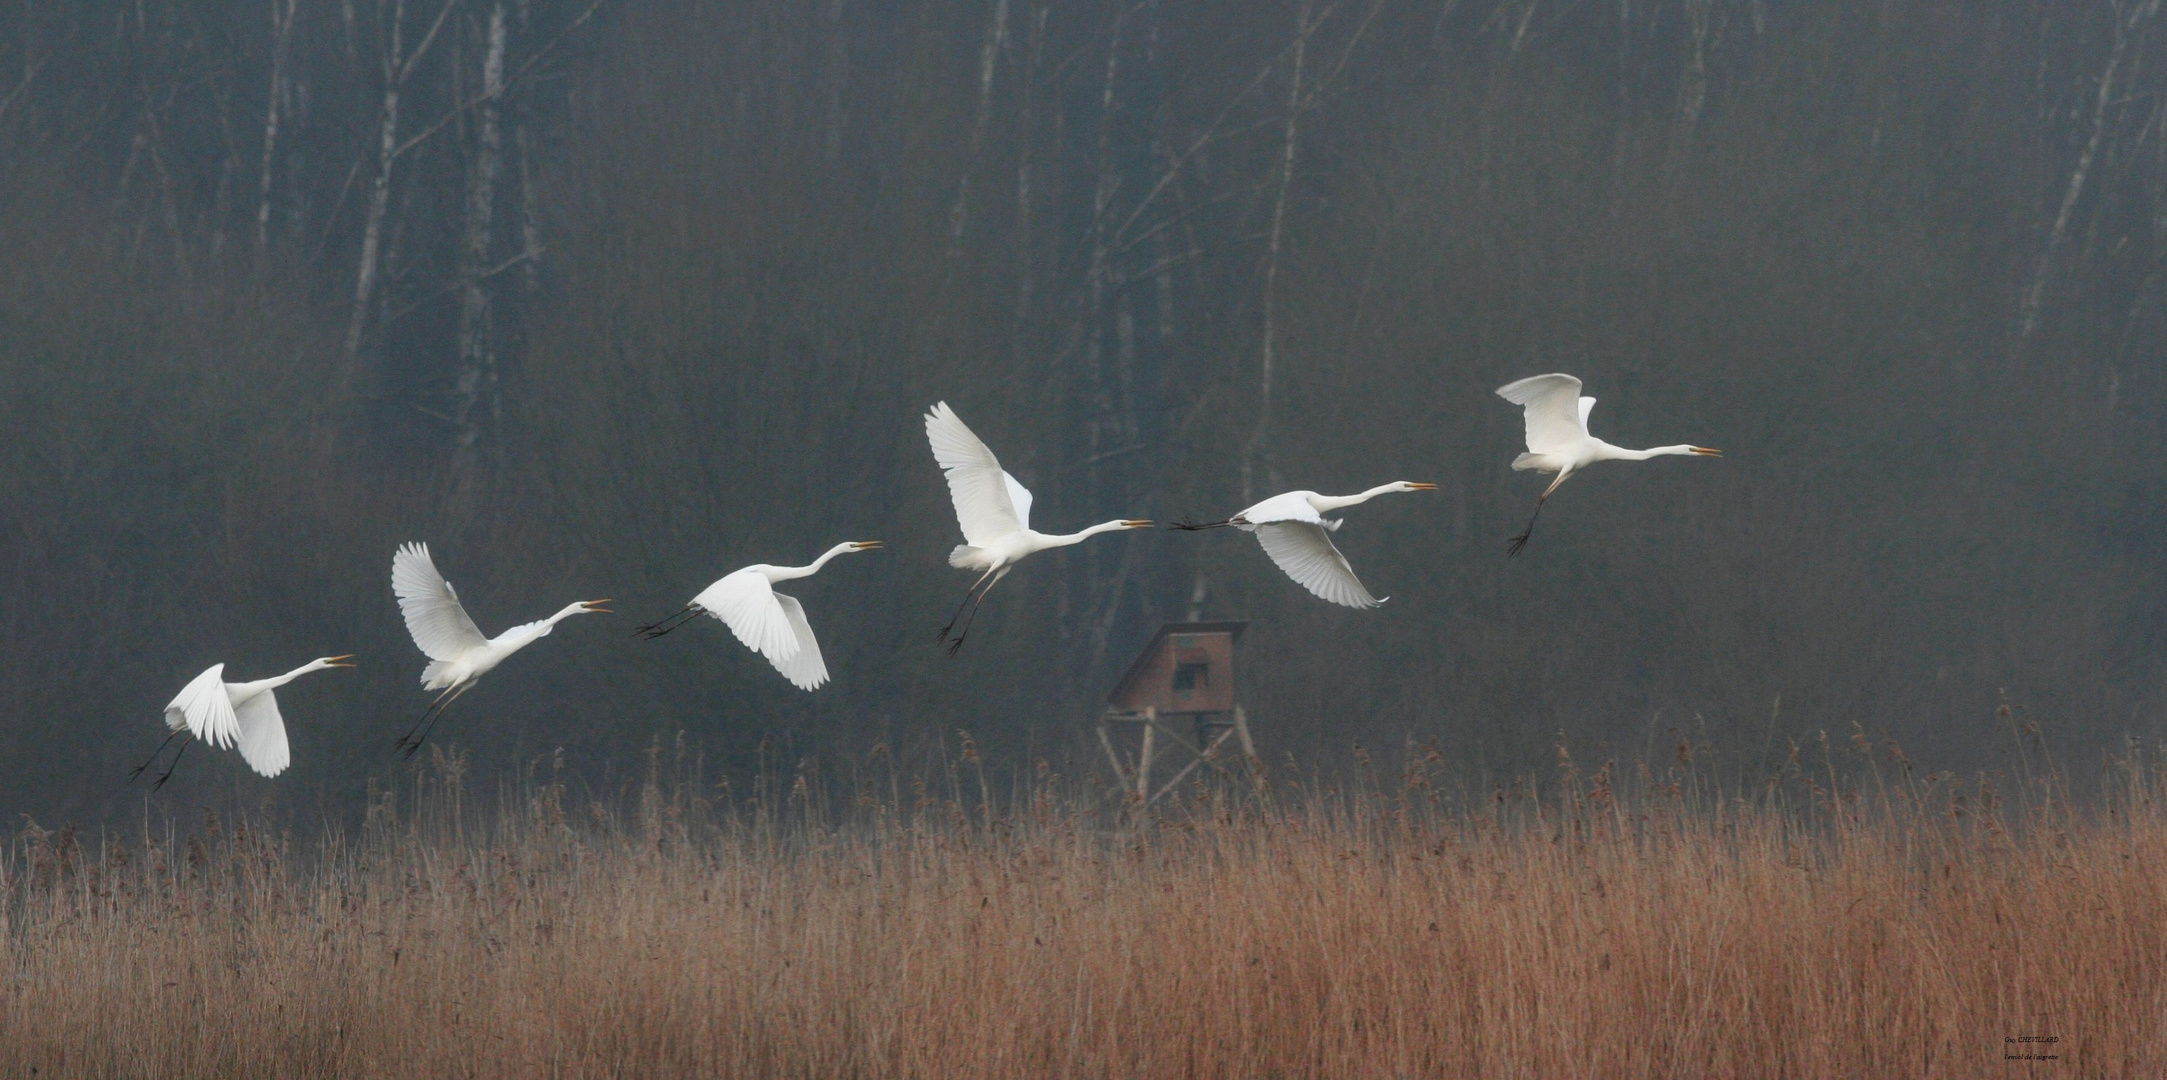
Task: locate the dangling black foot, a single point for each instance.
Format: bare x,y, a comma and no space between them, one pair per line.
168,774
1185,525
139,770
1513,546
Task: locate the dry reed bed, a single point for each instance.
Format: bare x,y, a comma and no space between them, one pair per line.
1908,931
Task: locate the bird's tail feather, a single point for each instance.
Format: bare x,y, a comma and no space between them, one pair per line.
961,558
1524,462
430,674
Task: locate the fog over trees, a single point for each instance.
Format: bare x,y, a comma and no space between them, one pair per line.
610,298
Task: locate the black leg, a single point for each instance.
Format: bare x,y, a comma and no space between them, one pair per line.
439,708
138,770
943,635
1187,526
957,645
436,706
664,625
168,774
1513,546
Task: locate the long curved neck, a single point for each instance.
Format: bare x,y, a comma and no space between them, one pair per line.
1049,541
1325,504
1619,453
276,681
571,609
786,573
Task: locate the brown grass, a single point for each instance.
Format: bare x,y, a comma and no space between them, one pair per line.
1908,928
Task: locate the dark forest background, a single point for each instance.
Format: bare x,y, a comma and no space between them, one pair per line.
607,299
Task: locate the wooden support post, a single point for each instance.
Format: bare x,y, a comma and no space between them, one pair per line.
1200,759
1143,757
1121,775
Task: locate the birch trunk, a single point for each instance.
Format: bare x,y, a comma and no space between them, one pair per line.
372,225
398,65
2125,27
1260,439
282,13
477,377
996,39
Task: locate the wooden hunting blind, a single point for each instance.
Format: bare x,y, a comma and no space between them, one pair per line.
1184,677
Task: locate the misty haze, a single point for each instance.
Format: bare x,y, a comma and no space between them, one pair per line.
1778,752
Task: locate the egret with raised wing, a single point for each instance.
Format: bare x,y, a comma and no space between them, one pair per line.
995,512
1296,534
458,653
224,714
768,622
1558,440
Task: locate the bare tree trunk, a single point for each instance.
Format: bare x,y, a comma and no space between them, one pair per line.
2125,26
476,391
996,39
372,225
1704,31
1025,254
282,13
1259,440
397,67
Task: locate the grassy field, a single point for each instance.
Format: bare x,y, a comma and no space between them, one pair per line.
1885,925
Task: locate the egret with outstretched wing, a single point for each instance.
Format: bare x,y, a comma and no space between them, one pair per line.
995,512
224,714
458,653
1296,534
768,622
1558,440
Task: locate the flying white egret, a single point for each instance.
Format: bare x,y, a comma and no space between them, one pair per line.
994,510
768,622
458,653
1558,440
225,713
1295,533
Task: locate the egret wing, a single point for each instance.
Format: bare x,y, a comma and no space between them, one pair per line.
1587,405
204,709
981,491
746,603
806,670
1019,497
263,735
1291,506
1553,410
434,616
1306,554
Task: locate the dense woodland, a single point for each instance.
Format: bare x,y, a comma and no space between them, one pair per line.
604,299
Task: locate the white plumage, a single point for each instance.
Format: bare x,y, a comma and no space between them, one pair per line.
766,621
1557,436
1293,530
993,509
458,653
246,715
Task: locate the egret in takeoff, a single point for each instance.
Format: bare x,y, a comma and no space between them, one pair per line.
995,512
768,622
1558,440
225,713
1296,534
458,653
